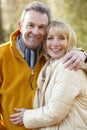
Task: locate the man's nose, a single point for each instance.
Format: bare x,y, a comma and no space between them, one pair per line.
36,30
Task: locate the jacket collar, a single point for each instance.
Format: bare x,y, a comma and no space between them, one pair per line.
13,38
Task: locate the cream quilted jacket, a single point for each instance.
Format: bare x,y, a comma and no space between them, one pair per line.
60,101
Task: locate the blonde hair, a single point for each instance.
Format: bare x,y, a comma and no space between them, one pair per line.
64,28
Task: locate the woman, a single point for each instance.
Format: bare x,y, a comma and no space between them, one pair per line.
60,101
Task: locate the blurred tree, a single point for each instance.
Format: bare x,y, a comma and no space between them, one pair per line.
72,11
76,11
12,10
1,27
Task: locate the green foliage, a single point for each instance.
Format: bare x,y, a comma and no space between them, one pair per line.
72,11
77,17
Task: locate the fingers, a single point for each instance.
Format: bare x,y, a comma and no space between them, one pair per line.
14,115
15,121
73,63
73,60
17,118
67,57
19,109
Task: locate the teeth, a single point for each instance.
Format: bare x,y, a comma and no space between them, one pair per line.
56,50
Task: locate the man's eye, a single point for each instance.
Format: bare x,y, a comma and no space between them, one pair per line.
43,27
30,25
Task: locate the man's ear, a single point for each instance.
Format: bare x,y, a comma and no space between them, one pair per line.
20,26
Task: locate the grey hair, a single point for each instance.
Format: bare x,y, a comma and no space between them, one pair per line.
36,6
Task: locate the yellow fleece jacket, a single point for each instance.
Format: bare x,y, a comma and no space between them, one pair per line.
15,90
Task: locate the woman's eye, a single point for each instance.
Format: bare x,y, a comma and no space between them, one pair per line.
49,38
62,38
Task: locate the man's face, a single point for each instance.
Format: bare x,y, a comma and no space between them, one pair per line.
33,28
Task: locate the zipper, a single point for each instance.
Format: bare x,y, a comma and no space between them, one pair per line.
32,78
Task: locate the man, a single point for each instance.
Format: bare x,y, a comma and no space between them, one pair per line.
21,60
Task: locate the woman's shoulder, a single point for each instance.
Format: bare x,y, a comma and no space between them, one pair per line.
66,72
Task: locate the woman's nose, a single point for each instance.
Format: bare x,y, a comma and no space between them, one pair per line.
56,42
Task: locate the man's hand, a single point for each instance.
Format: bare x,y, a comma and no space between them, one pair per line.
74,59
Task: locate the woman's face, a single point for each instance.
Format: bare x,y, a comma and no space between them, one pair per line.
57,44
